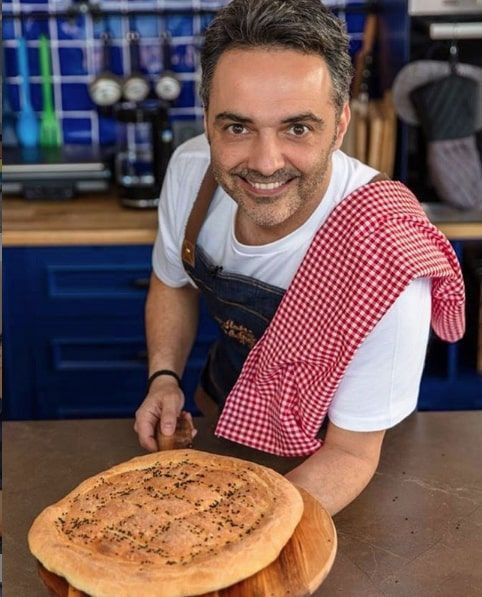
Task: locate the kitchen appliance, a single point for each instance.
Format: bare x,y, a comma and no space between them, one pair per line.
145,146
51,173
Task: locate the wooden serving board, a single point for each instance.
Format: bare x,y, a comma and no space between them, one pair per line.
298,571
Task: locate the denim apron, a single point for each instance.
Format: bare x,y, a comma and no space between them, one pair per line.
242,306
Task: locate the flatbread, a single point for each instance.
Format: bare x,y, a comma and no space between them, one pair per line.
174,523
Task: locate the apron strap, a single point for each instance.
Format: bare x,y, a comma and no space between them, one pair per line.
197,216
200,209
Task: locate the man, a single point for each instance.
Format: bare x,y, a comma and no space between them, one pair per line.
275,89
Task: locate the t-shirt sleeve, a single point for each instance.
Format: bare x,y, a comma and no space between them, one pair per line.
173,211
381,384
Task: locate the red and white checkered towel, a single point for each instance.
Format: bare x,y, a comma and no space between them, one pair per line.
370,248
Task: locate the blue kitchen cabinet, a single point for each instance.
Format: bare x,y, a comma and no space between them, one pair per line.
74,343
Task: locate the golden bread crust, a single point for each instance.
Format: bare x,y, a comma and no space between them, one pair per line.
171,524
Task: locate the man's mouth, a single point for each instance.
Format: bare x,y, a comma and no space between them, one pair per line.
265,188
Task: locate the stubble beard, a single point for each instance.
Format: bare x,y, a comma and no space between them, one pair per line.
269,212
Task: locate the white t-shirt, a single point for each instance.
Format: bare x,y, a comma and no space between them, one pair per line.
380,386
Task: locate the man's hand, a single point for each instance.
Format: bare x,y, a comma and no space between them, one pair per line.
161,406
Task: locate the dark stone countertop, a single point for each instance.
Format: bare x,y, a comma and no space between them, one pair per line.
414,531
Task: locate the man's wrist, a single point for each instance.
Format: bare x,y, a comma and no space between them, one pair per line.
161,376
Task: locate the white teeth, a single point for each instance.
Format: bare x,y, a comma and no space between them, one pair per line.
266,187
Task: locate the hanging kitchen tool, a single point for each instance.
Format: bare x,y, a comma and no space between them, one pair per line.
27,123
105,89
356,138
168,86
50,135
447,109
135,87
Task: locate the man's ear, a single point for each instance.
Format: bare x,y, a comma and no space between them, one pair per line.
343,123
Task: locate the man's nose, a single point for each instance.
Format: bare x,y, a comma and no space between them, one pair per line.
266,156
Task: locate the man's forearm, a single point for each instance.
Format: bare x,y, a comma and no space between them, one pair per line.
333,476
171,324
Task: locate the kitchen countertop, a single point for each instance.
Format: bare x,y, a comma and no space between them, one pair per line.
88,220
414,531
101,220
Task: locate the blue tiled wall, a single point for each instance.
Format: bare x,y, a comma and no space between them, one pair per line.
76,56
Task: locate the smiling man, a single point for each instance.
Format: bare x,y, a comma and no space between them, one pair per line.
318,274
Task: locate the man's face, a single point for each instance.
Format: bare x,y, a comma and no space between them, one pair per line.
272,127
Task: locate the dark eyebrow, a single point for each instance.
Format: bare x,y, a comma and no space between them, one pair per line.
234,117
304,116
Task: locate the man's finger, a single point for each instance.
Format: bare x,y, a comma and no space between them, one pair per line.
145,427
169,414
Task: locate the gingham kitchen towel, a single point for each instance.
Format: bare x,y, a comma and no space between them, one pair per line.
373,244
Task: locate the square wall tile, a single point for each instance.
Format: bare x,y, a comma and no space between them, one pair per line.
77,130
187,97
73,61
8,30
75,96
108,130
13,94
32,28
10,62
150,56
111,24
179,25
145,25
71,29
36,96
184,58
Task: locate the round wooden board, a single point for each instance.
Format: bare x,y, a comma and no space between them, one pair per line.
298,571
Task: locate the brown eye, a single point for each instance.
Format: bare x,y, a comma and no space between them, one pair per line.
299,129
236,129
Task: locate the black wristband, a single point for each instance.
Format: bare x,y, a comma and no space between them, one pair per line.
162,372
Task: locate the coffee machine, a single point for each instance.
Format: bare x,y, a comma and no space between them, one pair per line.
145,144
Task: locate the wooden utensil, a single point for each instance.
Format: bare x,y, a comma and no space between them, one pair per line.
49,125
298,571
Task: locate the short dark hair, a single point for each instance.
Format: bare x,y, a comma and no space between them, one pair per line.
304,25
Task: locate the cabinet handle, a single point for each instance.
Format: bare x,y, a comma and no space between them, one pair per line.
140,283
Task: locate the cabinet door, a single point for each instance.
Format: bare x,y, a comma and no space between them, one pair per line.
74,332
